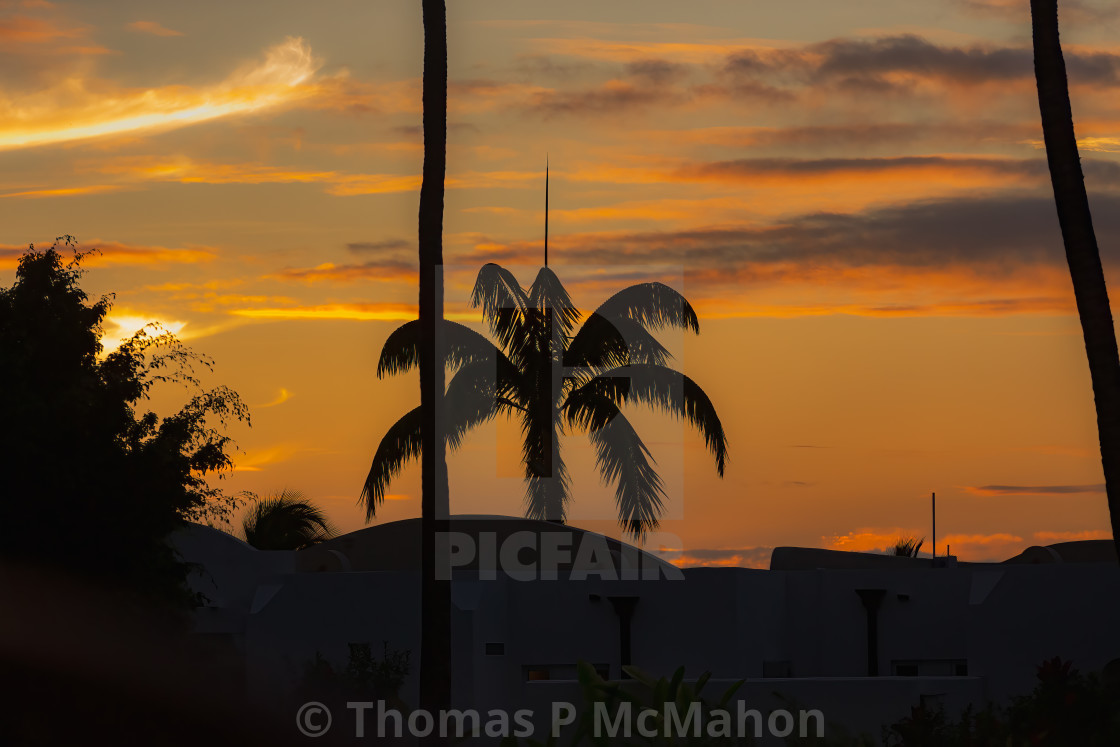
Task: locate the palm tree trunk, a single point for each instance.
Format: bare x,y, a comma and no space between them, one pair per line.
1080,242
435,637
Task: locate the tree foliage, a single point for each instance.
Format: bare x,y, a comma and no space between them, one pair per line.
93,483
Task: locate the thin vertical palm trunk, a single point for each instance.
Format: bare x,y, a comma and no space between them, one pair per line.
435,640
1080,243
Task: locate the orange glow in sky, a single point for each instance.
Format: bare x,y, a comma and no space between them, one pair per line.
853,196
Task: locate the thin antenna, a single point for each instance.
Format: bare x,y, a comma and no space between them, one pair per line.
933,507
546,211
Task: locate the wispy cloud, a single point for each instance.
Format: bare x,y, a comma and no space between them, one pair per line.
186,170
153,27
384,270
122,323
360,247
28,30
91,189
993,490
870,539
79,109
1050,538
982,548
258,460
382,312
281,397
111,253
742,557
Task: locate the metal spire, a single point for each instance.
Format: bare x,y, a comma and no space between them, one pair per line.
546,211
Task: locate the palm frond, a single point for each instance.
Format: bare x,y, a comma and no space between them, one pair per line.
503,303
547,293
400,443
653,305
908,547
547,487
547,484
476,393
658,387
623,459
286,521
603,343
401,351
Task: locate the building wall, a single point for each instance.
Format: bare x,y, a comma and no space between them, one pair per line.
1000,621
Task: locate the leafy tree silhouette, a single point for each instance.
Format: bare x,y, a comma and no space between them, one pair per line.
92,487
555,378
286,521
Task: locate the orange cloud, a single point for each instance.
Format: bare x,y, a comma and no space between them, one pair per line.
112,253
630,51
994,490
381,312
378,270
122,323
80,109
870,539
188,171
1050,538
979,548
64,191
283,396
153,27
745,557
35,30
257,460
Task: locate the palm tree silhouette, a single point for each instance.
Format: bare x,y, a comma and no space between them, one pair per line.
286,521
1080,240
556,378
435,593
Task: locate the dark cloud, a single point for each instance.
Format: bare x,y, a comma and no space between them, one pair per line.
360,247
386,270
757,76
656,71
535,67
997,233
1035,489
605,99
867,64
748,167
887,134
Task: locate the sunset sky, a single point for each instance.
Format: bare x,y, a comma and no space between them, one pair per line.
853,196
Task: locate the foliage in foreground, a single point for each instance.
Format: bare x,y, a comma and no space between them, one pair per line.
644,692
1065,709
365,677
92,483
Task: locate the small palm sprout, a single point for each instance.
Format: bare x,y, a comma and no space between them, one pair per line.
285,521
907,547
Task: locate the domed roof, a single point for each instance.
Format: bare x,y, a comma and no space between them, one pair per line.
480,542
